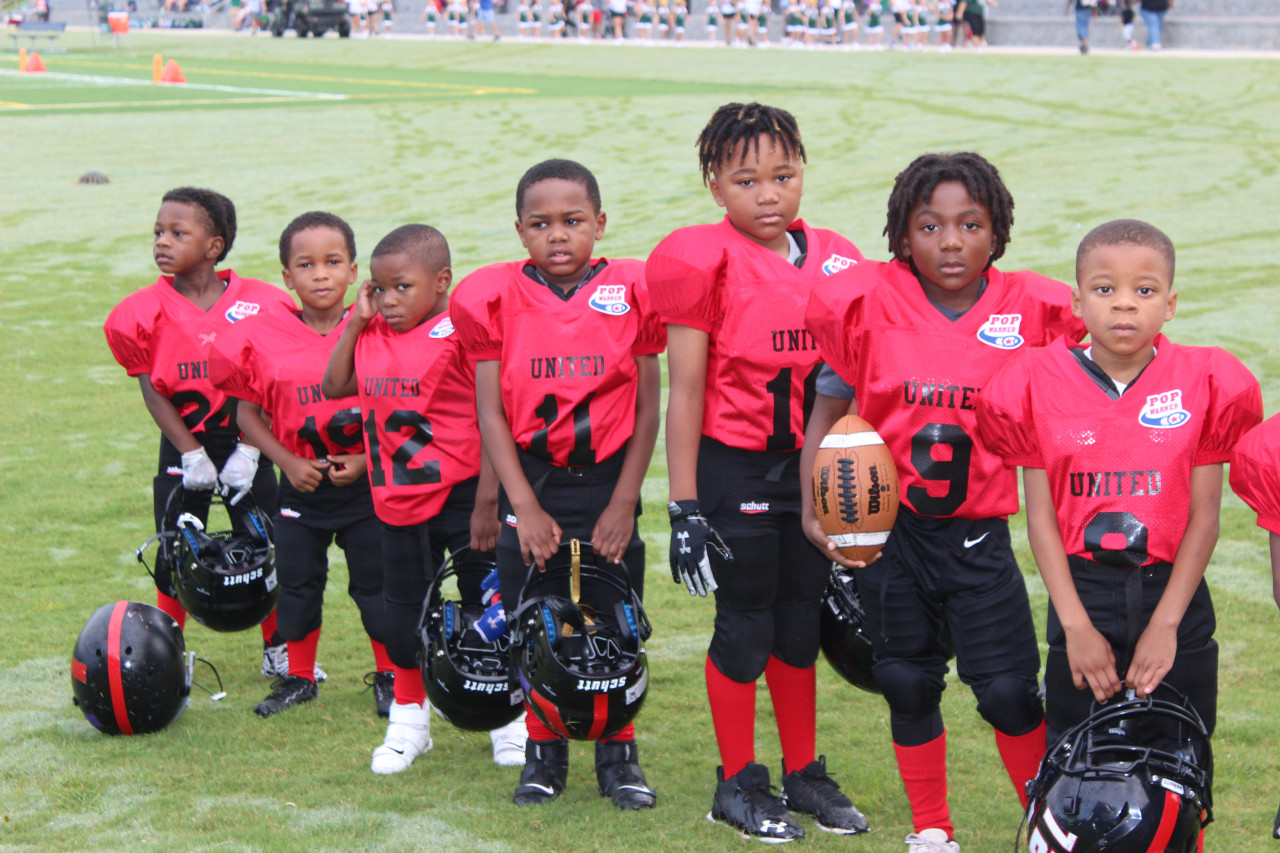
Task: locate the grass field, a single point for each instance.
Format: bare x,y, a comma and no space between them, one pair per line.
403,131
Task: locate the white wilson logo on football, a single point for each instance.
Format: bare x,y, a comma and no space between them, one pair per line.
840,440
845,540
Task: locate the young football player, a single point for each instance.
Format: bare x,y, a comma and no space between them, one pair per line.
273,364
733,296
1122,442
567,385
430,486
162,335
916,338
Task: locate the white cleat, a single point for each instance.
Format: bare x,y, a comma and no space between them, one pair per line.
408,736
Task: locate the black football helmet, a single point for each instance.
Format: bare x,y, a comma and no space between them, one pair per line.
468,678
226,579
130,672
1135,777
584,671
846,644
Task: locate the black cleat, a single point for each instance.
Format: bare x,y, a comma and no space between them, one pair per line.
383,685
746,802
619,775
289,691
816,794
546,769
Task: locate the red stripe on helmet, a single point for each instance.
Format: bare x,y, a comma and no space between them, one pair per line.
1168,821
113,667
79,671
550,714
599,716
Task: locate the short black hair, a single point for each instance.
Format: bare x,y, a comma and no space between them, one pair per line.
916,183
734,123
1126,232
564,170
316,219
424,244
217,211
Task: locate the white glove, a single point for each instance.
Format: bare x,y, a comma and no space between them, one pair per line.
241,468
198,470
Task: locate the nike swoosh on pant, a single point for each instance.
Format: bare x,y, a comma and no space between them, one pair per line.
969,543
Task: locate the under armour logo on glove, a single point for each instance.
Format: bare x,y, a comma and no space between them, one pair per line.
691,536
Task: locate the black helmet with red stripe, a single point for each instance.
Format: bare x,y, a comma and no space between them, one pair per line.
129,671
1135,777
582,666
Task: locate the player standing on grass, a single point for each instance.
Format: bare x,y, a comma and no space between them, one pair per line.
741,372
917,338
567,387
273,364
162,335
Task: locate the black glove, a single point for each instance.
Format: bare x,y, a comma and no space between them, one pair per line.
691,535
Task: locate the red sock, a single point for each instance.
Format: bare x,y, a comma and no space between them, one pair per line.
381,662
794,694
628,733
1021,755
537,729
302,656
173,607
733,713
409,687
924,774
269,628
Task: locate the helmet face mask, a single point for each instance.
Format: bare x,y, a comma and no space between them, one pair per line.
130,672
226,580
467,678
846,641
583,669
1135,776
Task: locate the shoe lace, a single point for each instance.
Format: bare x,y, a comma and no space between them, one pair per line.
920,844
764,799
371,681
824,789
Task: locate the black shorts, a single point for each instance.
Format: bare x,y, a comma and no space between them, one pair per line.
977,24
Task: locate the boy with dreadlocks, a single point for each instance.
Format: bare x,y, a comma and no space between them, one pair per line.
917,338
742,365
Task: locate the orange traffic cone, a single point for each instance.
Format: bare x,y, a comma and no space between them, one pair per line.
172,73
35,65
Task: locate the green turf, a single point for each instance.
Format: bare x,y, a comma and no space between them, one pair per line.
440,132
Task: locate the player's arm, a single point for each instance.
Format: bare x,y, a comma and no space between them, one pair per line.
166,416
1158,643
340,374
1089,654
826,411
538,531
304,474
687,369
485,525
613,529
1275,567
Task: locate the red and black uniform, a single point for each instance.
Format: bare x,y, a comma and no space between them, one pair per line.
762,364
158,332
418,395
568,377
948,566
1119,469
277,361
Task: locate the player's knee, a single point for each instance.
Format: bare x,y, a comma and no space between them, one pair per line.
741,645
798,645
911,692
1010,703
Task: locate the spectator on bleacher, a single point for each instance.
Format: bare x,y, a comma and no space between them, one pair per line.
1085,10
1153,12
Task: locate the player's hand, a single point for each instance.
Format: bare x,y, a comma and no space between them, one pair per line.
198,470
346,468
691,536
1093,663
364,308
241,468
539,535
485,527
612,533
814,533
1152,659
305,475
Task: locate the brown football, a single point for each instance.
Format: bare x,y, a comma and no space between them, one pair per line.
855,488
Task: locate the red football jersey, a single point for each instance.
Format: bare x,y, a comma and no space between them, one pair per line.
278,362
418,395
762,362
917,374
1255,472
1120,470
568,366
158,331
